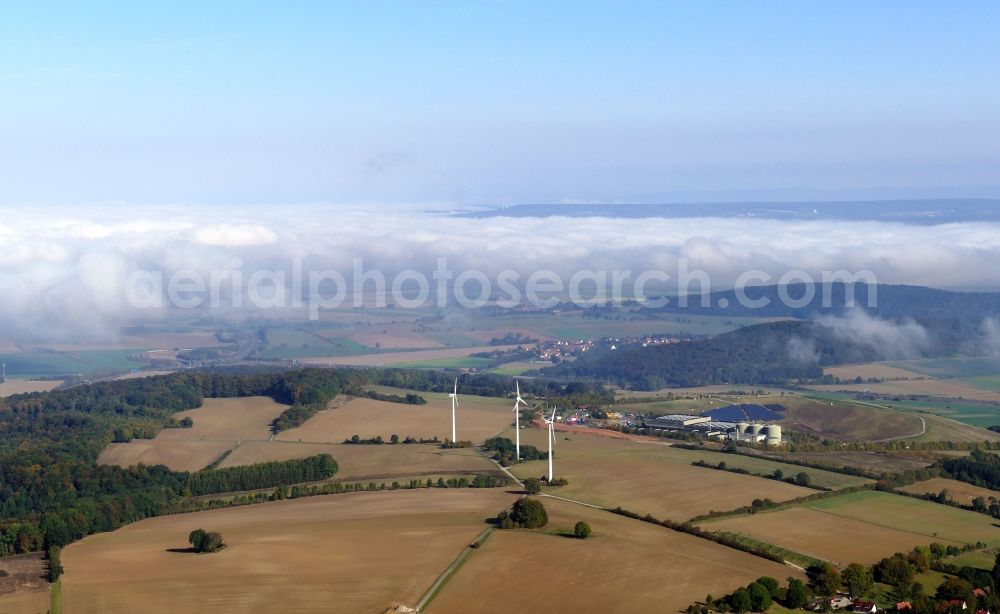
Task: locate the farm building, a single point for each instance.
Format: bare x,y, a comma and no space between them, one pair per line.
750,432
676,421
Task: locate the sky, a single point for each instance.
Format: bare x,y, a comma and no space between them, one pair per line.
491,103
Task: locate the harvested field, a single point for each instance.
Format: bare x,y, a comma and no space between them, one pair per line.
24,590
665,570
394,340
940,428
937,522
868,461
169,341
872,369
477,419
138,375
178,454
219,425
959,492
393,358
358,462
22,386
646,478
758,465
929,387
822,535
359,552
230,419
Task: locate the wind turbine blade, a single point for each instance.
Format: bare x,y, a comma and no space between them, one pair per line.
553,418
456,385
518,384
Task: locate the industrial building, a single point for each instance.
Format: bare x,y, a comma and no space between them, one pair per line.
745,431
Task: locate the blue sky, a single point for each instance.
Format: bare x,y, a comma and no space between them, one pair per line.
499,102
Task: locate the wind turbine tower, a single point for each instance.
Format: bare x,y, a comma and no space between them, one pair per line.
454,400
517,420
552,439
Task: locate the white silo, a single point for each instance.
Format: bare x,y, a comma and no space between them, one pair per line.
774,435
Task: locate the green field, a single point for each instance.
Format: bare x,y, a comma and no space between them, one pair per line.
299,343
983,559
951,367
985,382
453,339
462,362
762,466
52,363
516,368
912,515
982,414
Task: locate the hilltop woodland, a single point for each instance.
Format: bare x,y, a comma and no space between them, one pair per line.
52,491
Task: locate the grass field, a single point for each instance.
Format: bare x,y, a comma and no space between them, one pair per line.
55,363
477,418
971,412
361,552
459,362
626,566
817,477
951,367
983,559
21,386
219,425
646,477
297,343
440,356
959,492
862,527
820,535
937,522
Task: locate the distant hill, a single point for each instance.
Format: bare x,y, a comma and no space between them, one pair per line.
890,302
918,211
778,353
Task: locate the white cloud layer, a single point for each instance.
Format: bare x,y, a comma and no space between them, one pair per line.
63,270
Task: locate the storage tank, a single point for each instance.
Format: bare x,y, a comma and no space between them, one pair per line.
742,427
756,428
774,435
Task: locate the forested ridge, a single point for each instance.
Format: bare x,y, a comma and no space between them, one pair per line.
754,355
772,353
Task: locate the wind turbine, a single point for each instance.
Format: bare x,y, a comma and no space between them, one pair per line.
454,400
517,420
552,438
